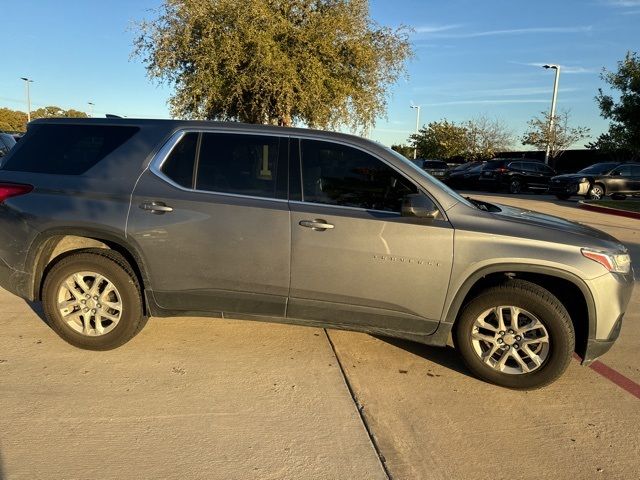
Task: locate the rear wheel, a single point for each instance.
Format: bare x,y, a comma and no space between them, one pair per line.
516,335
515,185
92,300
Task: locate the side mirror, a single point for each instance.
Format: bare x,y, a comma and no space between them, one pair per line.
421,206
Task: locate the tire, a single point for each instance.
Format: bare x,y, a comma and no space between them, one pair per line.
537,307
112,319
515,185
562,196
596,192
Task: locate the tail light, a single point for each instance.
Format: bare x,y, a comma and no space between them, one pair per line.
8,190
501,170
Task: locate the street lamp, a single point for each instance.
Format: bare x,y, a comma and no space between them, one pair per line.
417,107
27,81
91,105
553,108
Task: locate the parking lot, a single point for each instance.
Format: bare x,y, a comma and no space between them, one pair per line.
209,398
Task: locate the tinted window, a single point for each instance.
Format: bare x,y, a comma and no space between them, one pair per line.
339,175
516,165
529,167
241,164
598,168
179,164
493,164
635,170
546,169
66,149
623,171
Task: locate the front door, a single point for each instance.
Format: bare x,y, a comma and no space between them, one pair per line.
212,223
355,260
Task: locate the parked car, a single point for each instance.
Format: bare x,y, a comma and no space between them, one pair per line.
6,143
109,221
437,168
598,181
464,176
516,175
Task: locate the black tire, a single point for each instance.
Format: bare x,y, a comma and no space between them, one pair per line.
562,196
596,192
117,270
515,185
539,302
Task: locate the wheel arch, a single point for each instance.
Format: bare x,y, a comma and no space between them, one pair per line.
572,292
52,245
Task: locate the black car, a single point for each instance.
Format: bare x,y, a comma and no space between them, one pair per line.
516,175
598,181
435,168
464,176
6,143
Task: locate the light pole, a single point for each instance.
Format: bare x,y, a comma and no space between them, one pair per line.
27,81
91,105
417,107
553,108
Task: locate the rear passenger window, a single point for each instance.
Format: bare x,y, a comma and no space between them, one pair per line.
179,164
339,175
240,164
66,149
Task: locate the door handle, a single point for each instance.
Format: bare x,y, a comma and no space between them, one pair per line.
156,207
318,224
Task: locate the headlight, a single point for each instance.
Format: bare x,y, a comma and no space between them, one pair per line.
614,262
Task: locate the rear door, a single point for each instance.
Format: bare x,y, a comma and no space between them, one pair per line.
620,180
211,218
355,260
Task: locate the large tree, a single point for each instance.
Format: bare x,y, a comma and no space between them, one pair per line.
324,63
558,139
623,135
443,139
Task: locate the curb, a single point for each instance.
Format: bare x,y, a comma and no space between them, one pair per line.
610,211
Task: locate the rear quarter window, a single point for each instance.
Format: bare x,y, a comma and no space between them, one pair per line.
66,149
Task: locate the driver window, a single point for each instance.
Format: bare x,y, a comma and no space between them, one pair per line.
335,174
623,171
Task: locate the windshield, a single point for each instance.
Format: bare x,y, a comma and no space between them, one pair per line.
434,180
599,168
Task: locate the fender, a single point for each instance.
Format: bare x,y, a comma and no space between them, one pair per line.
41,248
456,303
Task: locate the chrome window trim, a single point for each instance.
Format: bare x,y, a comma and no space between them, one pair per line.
344,207
162,155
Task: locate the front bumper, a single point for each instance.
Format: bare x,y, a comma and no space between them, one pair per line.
573,188
597,348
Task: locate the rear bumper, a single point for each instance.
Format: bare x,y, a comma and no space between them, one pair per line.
15,281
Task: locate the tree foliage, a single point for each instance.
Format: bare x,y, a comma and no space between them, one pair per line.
623,135
477,139
16,121
403,149
485,137
12,120
321,62
559,139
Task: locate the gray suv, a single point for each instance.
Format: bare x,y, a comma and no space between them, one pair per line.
108,222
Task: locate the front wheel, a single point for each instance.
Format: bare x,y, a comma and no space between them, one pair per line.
92,300
516,335
596,192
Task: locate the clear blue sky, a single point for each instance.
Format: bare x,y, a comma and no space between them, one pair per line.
472,57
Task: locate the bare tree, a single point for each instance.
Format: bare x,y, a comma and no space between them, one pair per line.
559,139
485,137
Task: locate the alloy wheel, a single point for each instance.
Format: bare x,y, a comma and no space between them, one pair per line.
510,340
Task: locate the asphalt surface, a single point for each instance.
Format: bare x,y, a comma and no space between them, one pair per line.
202,398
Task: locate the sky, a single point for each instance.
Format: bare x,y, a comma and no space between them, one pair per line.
471,58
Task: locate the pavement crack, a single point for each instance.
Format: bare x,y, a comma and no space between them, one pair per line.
359,408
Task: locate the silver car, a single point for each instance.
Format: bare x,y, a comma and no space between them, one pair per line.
108,222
